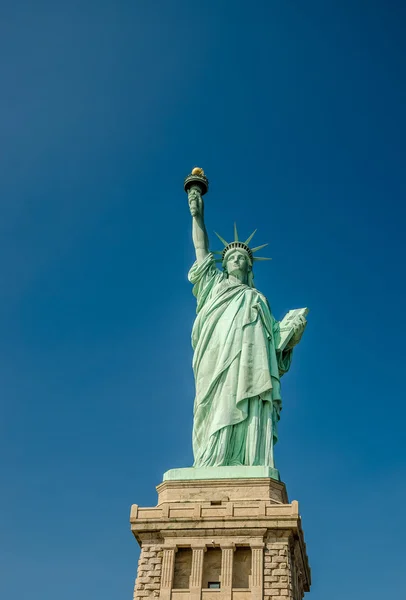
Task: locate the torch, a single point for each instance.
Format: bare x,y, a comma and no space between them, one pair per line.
196,185
198,179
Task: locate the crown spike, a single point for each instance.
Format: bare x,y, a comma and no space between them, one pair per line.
261,258
235,233
258,248
217,252
222,240
250,238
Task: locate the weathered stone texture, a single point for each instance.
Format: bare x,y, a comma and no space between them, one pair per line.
221,520
148,580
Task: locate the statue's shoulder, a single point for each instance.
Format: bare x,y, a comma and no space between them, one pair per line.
205,270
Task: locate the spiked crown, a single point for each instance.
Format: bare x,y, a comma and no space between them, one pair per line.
238,245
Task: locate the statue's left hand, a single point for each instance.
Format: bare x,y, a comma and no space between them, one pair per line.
298,330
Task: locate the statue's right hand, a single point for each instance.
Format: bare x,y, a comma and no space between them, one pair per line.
195,203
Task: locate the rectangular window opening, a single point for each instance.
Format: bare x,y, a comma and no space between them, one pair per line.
213,585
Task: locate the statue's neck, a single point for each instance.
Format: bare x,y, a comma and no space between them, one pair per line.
237,277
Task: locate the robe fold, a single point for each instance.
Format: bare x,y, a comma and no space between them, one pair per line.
237,371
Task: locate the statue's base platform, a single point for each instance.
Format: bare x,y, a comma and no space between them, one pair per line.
238,472
220,539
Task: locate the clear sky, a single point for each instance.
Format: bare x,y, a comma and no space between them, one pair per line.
296,110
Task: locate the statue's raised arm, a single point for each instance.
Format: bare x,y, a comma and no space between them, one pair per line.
196,185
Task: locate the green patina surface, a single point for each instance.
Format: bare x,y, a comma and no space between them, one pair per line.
240,472
240,354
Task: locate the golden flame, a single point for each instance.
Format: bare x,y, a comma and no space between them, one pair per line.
198,171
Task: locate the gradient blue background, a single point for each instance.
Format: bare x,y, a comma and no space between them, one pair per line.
296,109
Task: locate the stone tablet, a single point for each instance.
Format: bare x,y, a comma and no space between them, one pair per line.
287,325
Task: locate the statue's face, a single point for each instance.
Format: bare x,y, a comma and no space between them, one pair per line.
237,262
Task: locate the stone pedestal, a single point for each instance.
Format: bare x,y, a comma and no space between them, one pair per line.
234,539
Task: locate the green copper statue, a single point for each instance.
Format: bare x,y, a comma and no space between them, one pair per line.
240,350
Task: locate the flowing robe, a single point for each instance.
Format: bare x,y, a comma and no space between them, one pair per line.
237,371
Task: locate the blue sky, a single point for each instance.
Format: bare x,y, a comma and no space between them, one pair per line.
296,111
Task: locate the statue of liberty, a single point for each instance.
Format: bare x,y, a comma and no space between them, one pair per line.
240,350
